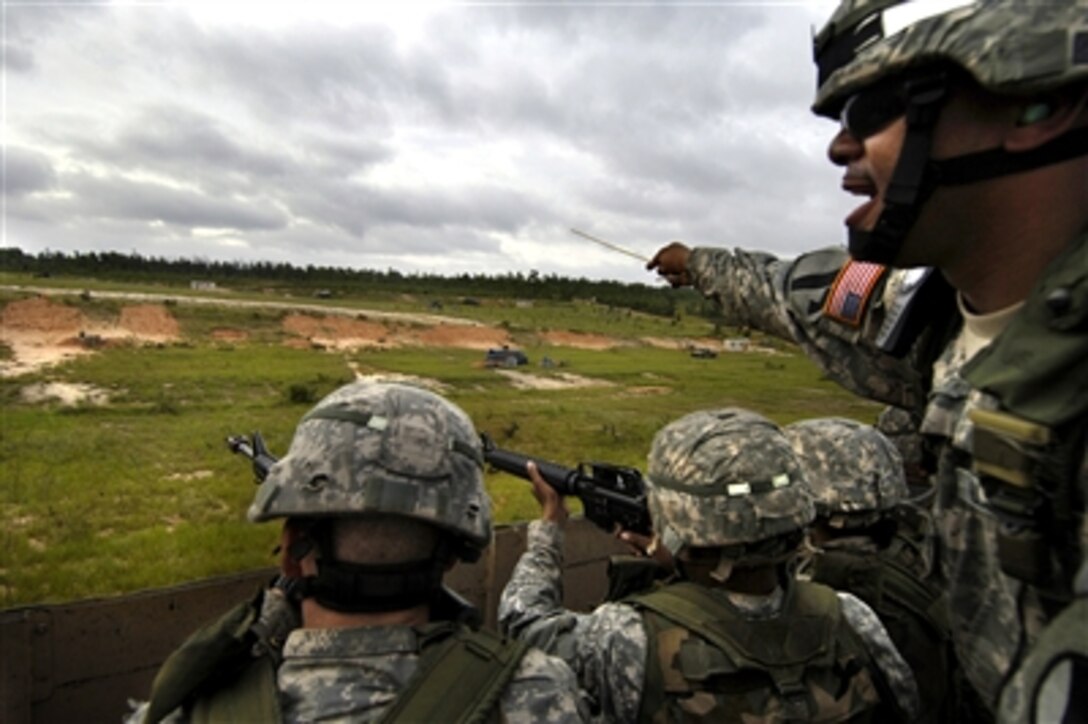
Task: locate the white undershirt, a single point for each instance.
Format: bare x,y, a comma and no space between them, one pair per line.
979,330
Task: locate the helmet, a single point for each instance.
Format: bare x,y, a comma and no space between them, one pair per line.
374,447
1007,46
719,478
853,469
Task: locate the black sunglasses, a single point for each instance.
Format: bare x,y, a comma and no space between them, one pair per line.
871,110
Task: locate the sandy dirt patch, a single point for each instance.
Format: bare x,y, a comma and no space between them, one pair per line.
227,334
646,390
41,332
424,382
558,381
151,322
195,475
41,315
456,335
66,393
683,342
337,332
582,340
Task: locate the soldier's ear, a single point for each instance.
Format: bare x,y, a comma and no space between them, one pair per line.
1043,119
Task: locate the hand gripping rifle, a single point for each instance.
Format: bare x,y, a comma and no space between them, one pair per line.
256,451
610,494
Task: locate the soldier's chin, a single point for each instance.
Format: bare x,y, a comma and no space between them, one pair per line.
864,217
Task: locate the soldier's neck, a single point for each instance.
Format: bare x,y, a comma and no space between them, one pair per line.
759,581
314,615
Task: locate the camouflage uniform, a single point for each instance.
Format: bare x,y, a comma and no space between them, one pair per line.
775,295
858,481
608,648
1033,376
368,449
354,674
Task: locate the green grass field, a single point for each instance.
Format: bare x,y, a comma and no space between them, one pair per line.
142,491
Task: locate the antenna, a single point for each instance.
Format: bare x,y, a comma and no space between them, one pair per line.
610,245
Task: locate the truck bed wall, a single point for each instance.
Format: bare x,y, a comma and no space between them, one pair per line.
82,661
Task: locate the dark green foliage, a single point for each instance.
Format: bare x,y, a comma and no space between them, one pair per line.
452,291
301,394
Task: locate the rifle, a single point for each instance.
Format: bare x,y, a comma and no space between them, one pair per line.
256,451
610,494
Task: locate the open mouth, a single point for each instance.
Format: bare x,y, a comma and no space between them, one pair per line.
860,185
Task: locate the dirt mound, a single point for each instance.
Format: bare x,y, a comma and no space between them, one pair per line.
456,335
39,314
151,321
227,334
336,331
582,340
344,332
41,332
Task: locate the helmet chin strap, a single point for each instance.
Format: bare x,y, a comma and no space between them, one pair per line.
367,587
911,184
916,176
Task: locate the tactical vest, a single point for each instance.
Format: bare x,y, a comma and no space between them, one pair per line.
913,612
215,676
1028,453
707,662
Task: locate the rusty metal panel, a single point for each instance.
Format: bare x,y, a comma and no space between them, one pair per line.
81,661
15,675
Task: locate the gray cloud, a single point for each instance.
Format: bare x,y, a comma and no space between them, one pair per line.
26,171
147,201
472,143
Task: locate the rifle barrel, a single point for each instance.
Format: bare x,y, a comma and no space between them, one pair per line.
561,478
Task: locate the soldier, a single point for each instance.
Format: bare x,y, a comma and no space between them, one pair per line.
382,492
733,638
966,126
869,541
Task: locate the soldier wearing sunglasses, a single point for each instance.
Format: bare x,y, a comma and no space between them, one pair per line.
964,300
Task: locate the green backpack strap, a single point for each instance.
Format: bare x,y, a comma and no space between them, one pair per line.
221,648
696,608
459,679
923,600
253,697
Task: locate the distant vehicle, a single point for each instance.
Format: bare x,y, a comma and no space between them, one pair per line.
703,353
505,357
323,294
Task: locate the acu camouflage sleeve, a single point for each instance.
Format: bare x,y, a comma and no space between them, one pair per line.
605,648
543,689
893,668
786,299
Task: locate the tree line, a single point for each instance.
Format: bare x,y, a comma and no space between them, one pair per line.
347,282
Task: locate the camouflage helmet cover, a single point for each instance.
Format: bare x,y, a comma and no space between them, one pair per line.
852,468
718,478
1008,46
374,447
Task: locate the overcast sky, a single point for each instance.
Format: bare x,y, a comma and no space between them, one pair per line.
441,138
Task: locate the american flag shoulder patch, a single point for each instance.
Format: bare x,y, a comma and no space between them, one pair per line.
851,290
